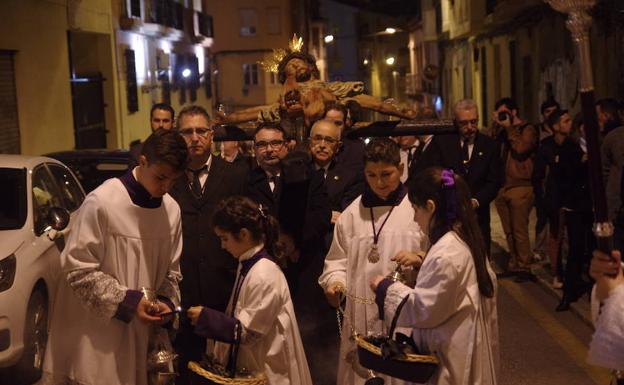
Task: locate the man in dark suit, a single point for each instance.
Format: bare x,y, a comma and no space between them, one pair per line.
208,271
292,191
475,157
342,182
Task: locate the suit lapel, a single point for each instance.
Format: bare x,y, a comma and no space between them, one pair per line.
214,180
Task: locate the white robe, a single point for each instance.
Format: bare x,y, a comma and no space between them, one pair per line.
270,340
607,345
449,315
114,246
347,263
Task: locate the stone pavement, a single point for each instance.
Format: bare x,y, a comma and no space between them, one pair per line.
541,269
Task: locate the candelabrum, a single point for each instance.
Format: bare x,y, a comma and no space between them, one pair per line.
579,22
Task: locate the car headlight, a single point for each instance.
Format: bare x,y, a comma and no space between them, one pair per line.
7,272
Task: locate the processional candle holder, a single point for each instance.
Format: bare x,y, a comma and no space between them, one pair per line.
578,23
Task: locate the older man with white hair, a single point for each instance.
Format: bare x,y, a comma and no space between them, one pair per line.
473,155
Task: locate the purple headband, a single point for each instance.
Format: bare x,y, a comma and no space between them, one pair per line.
450,194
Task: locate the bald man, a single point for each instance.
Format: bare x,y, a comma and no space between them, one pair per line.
342,183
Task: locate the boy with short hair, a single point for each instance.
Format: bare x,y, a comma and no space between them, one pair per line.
126,237
369,234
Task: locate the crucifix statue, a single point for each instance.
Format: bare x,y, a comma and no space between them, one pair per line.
304,95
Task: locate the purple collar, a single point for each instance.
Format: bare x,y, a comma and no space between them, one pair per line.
138,193
247,264
369,199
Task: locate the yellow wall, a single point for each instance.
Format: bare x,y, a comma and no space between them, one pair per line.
136,125
37,30
231,50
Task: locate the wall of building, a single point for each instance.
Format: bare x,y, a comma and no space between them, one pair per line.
273,25
37,30
135,125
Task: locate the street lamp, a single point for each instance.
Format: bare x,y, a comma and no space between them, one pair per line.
186,72
391,30
365,62
390,60
328,38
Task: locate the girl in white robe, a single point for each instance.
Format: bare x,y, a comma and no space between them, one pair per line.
127,236
269,340
452,308
348,268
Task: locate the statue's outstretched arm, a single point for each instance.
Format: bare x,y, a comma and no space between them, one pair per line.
372,103
244,115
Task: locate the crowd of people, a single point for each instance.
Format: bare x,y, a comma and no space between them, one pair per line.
262,248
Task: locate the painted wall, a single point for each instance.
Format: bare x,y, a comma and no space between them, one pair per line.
37,31
231,49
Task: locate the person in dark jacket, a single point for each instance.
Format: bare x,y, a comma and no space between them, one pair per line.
474,156
289,187
208,271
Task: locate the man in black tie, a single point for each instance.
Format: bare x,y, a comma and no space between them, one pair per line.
208,271
475,157
342,182
292,191
407,146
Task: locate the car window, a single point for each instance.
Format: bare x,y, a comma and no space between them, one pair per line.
45,196
70,189
13,198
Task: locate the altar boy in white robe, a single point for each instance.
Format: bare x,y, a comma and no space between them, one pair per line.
260,305
376,227
452,308
127,236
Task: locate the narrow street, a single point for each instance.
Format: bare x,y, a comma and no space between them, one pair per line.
538,345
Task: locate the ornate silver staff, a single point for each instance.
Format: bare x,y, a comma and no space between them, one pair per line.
579,21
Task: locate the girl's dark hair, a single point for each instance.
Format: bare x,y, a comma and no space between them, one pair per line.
458,216
237,212
382,150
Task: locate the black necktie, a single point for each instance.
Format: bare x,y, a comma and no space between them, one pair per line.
465,154
196,186
275,180
419,150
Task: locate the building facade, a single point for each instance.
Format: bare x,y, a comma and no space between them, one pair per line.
84,74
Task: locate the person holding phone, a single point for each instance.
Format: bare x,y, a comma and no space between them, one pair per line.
518,142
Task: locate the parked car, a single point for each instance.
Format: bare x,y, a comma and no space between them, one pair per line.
92,167
38,199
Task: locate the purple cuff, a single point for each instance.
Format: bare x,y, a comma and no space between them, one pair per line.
127,307
216,325
380,296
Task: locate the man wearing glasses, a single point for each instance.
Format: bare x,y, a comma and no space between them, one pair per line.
208,270
475,157
343,184
293,192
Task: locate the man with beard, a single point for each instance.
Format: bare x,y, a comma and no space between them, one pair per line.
208,271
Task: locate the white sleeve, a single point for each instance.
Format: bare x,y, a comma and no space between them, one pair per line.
170,286
434,299
80,261
335,270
